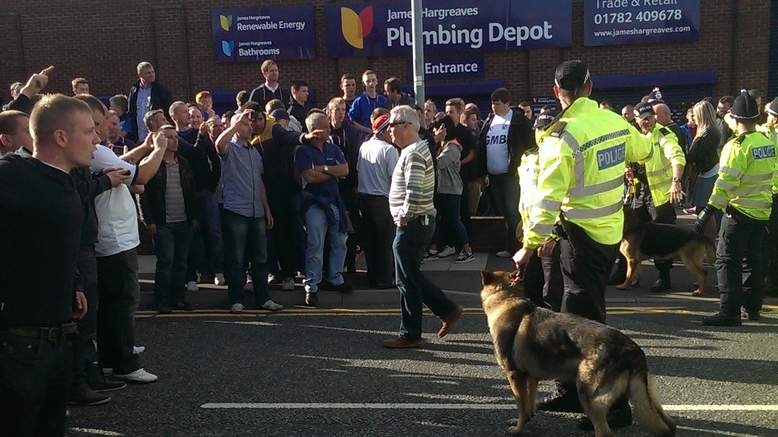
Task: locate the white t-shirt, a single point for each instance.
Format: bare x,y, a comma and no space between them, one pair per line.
377,160
117,218
497,156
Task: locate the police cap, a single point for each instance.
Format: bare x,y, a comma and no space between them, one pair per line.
571,75
773,108
543,120
745,107
643,110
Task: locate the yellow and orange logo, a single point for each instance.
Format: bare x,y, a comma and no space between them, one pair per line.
356,27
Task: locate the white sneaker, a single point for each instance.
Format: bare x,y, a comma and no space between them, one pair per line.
272,306
504,254
270,278
140,376
137,350
288,284
447,251
236,308
191,286
219,279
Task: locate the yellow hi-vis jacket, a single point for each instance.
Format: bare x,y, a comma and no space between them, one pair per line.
659,169
771,132
582,162
747,175
529,170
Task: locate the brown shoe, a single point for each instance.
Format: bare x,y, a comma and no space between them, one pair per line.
449,321
401,343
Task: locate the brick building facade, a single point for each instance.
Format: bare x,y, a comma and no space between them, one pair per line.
104,40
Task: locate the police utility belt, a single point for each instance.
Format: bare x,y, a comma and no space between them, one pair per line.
52,333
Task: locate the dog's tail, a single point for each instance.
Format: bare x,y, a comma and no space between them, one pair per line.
647,407
710,251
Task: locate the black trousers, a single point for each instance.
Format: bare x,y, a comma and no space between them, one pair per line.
286,241
740,238
117,285
585,266
354,238
35,378
771,251
543,280
84,341
378,231
665,214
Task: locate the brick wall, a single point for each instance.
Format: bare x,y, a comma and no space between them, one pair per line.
104,40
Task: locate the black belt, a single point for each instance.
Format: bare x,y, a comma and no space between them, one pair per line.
48,332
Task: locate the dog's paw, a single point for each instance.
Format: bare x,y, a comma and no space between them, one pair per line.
512,422
697,293
622,286
515,430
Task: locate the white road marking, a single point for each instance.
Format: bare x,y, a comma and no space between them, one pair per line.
716,432
242,323
96,431
446,406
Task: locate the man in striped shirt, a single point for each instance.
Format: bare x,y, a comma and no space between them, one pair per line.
410,203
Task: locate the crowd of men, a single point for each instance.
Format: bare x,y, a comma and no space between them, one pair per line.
278,188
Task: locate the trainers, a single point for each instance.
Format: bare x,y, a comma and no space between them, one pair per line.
464,257
236,308
83,395
311,299
504,254
219,279
446,252
432,253
342,288
191,286
287,284
140,376
272,306
137,350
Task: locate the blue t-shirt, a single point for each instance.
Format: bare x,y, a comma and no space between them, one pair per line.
307,156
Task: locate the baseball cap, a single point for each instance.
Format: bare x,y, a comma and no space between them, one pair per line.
643,110
381,123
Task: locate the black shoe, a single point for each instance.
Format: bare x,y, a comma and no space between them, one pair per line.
311,299
753,315
618,417
720,319
383,285
619,273
184,306
83,395
106,386
342,288
661,285
565,401
164,309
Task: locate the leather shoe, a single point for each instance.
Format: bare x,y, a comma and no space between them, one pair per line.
402,343
720,319
618,417
311,299
753,315
564,401
660,286
449,321
83,395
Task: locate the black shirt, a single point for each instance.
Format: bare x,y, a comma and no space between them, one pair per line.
468,171
40,229
89,186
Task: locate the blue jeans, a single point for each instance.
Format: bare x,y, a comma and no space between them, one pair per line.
451,230
171,246
409,245
317,229
245,242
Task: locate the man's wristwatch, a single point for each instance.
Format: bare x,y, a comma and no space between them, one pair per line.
676,179
326,169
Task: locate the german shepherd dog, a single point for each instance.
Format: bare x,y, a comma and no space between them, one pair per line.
646,240
532,344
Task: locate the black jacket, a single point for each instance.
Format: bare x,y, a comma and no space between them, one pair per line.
704,151
20,103
521,138
89,186
160,99
262,95
212,161
152,201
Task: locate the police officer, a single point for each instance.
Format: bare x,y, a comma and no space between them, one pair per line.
770,129
744,190
581,182
663,171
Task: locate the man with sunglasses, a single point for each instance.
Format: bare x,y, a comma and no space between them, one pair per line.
410,203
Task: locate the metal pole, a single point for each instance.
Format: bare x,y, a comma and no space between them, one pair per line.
418,52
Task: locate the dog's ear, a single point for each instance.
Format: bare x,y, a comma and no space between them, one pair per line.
488,278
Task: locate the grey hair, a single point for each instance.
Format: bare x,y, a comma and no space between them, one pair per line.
314,119
175,105
405,113
143,65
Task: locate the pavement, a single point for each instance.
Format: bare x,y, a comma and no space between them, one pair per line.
323,372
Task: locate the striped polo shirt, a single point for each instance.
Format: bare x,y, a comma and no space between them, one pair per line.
413,183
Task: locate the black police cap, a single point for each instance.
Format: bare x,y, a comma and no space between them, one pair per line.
773,108
643,110
745,107
543,121
571,75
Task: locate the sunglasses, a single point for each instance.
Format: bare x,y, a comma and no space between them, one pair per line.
397,123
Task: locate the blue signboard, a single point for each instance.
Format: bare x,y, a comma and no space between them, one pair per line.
612,22
384,28
438,69
255,34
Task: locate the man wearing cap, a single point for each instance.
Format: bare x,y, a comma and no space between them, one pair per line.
663,171
377,159
410,203
744,190
582,160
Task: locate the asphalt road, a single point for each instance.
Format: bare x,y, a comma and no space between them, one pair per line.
323,372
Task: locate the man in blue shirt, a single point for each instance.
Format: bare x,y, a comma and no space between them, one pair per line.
320,164
364,105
